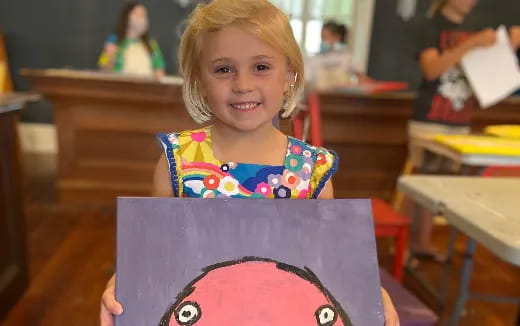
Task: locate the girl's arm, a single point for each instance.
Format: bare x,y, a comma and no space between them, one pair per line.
434,64
158,62
159,74
391,316
108,56
327,192
162,186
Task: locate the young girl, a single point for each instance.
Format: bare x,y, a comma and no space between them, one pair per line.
445,99
130,50
241,64
333,37
334,66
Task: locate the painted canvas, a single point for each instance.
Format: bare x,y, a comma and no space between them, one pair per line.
246,262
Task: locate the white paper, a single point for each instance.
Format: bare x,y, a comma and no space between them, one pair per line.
493,72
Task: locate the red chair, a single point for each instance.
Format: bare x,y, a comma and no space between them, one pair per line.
309,116
387,221
501,171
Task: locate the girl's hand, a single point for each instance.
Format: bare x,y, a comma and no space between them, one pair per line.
159,74
108,57
484,38
391,317
514,36
109,305
111,49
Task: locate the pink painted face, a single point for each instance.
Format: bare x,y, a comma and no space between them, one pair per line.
255,292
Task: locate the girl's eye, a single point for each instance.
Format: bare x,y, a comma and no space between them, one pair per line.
262,67
223,70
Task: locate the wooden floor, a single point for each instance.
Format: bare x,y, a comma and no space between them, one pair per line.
71,255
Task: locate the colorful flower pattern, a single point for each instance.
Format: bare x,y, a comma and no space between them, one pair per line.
199,174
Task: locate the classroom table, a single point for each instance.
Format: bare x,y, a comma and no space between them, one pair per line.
485,209
475,150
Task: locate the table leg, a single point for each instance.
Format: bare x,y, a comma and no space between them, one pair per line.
400,248
417,210
464,282
447,266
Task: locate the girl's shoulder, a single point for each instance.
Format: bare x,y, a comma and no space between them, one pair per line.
318,163
175,139
322,155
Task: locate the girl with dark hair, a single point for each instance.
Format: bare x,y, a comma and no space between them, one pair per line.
334,66
130,49
333,36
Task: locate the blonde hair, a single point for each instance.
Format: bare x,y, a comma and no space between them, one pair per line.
434,7
265,20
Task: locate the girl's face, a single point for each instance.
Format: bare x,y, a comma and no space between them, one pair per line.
138,20
139,12
463,7
242,78
327,36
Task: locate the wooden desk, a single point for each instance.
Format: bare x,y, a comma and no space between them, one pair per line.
13,265
369,132
106,127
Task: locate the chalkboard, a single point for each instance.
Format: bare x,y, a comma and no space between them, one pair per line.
65,33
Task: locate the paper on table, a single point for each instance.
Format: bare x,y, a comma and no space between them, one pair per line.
493,71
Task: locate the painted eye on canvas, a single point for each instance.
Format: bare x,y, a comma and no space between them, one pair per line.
325,315
188,313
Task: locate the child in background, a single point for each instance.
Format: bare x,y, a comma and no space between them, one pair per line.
445,99
130,50
241,65
333,37
334,66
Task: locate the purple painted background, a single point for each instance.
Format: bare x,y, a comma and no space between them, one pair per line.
163,243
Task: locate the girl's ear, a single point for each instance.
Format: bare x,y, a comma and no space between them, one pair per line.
290,79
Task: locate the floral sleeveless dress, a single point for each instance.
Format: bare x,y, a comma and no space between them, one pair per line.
195,172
